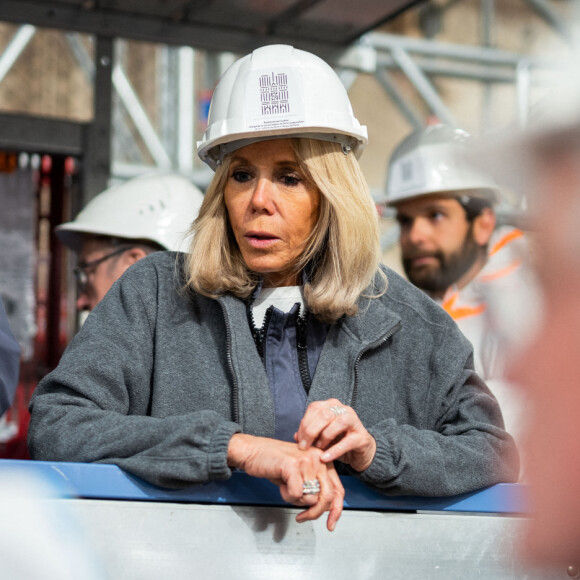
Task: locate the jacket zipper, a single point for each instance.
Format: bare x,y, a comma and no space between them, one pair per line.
264,331
235,403
259,335
302,347
372,346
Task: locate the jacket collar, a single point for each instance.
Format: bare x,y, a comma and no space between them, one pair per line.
347,340
374,319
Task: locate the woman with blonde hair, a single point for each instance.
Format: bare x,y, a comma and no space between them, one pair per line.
278,344
344,242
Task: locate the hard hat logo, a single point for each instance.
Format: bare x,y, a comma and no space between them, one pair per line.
279,103
274,94
408,174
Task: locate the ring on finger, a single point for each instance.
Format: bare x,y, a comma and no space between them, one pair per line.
311,487
337,410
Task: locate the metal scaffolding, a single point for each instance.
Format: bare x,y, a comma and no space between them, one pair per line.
120,118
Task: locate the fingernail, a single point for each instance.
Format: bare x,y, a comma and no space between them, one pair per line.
302,444
325,456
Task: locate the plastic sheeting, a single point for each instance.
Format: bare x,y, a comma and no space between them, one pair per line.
18,254
17,266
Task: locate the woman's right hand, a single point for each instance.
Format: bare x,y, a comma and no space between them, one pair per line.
288,467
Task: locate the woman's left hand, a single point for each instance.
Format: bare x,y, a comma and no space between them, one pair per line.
337,429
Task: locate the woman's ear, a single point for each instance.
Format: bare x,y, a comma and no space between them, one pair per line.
483,226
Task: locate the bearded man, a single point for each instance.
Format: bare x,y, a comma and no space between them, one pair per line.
453,250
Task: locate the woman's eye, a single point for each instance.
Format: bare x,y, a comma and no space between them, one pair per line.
290,180
241,176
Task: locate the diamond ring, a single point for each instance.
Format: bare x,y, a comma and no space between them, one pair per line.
338,410
311,487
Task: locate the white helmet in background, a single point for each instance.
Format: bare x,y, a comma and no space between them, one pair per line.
431,161
279,91
158,207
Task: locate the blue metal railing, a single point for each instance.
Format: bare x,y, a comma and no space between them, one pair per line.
99,481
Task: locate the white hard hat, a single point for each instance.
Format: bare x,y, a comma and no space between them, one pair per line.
278,91
431,161
155,207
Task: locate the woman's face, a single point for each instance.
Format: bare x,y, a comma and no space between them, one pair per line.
272,209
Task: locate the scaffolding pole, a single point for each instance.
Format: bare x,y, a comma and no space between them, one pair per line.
423,85
15,48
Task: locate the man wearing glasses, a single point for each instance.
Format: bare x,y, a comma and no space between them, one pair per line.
125,223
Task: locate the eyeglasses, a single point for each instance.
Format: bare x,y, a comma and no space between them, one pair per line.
81,273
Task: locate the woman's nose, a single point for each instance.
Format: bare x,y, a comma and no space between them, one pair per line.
262,196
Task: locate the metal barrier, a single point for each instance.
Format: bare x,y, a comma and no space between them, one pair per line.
241,528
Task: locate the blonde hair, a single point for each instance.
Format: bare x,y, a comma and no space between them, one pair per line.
343,251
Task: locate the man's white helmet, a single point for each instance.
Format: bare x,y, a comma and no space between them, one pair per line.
155,207
278,91
431,161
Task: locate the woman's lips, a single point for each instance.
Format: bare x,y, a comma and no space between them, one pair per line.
260,239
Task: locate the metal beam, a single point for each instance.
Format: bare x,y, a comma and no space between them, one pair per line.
150,29
167,80
140,118
41,134
129,99
186,119
487,27
460,70
384,78
523,93
97,152
87,65
359,57
423,85
296,9
384,41
549,15
14,48
81,55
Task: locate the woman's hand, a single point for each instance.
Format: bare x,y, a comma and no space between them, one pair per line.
338,431
289,467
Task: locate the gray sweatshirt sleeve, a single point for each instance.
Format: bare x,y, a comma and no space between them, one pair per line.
94,406
462,445
9,362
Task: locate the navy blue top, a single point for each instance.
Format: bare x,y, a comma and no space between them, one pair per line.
281,360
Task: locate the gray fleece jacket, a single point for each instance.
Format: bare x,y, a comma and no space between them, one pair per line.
159,379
